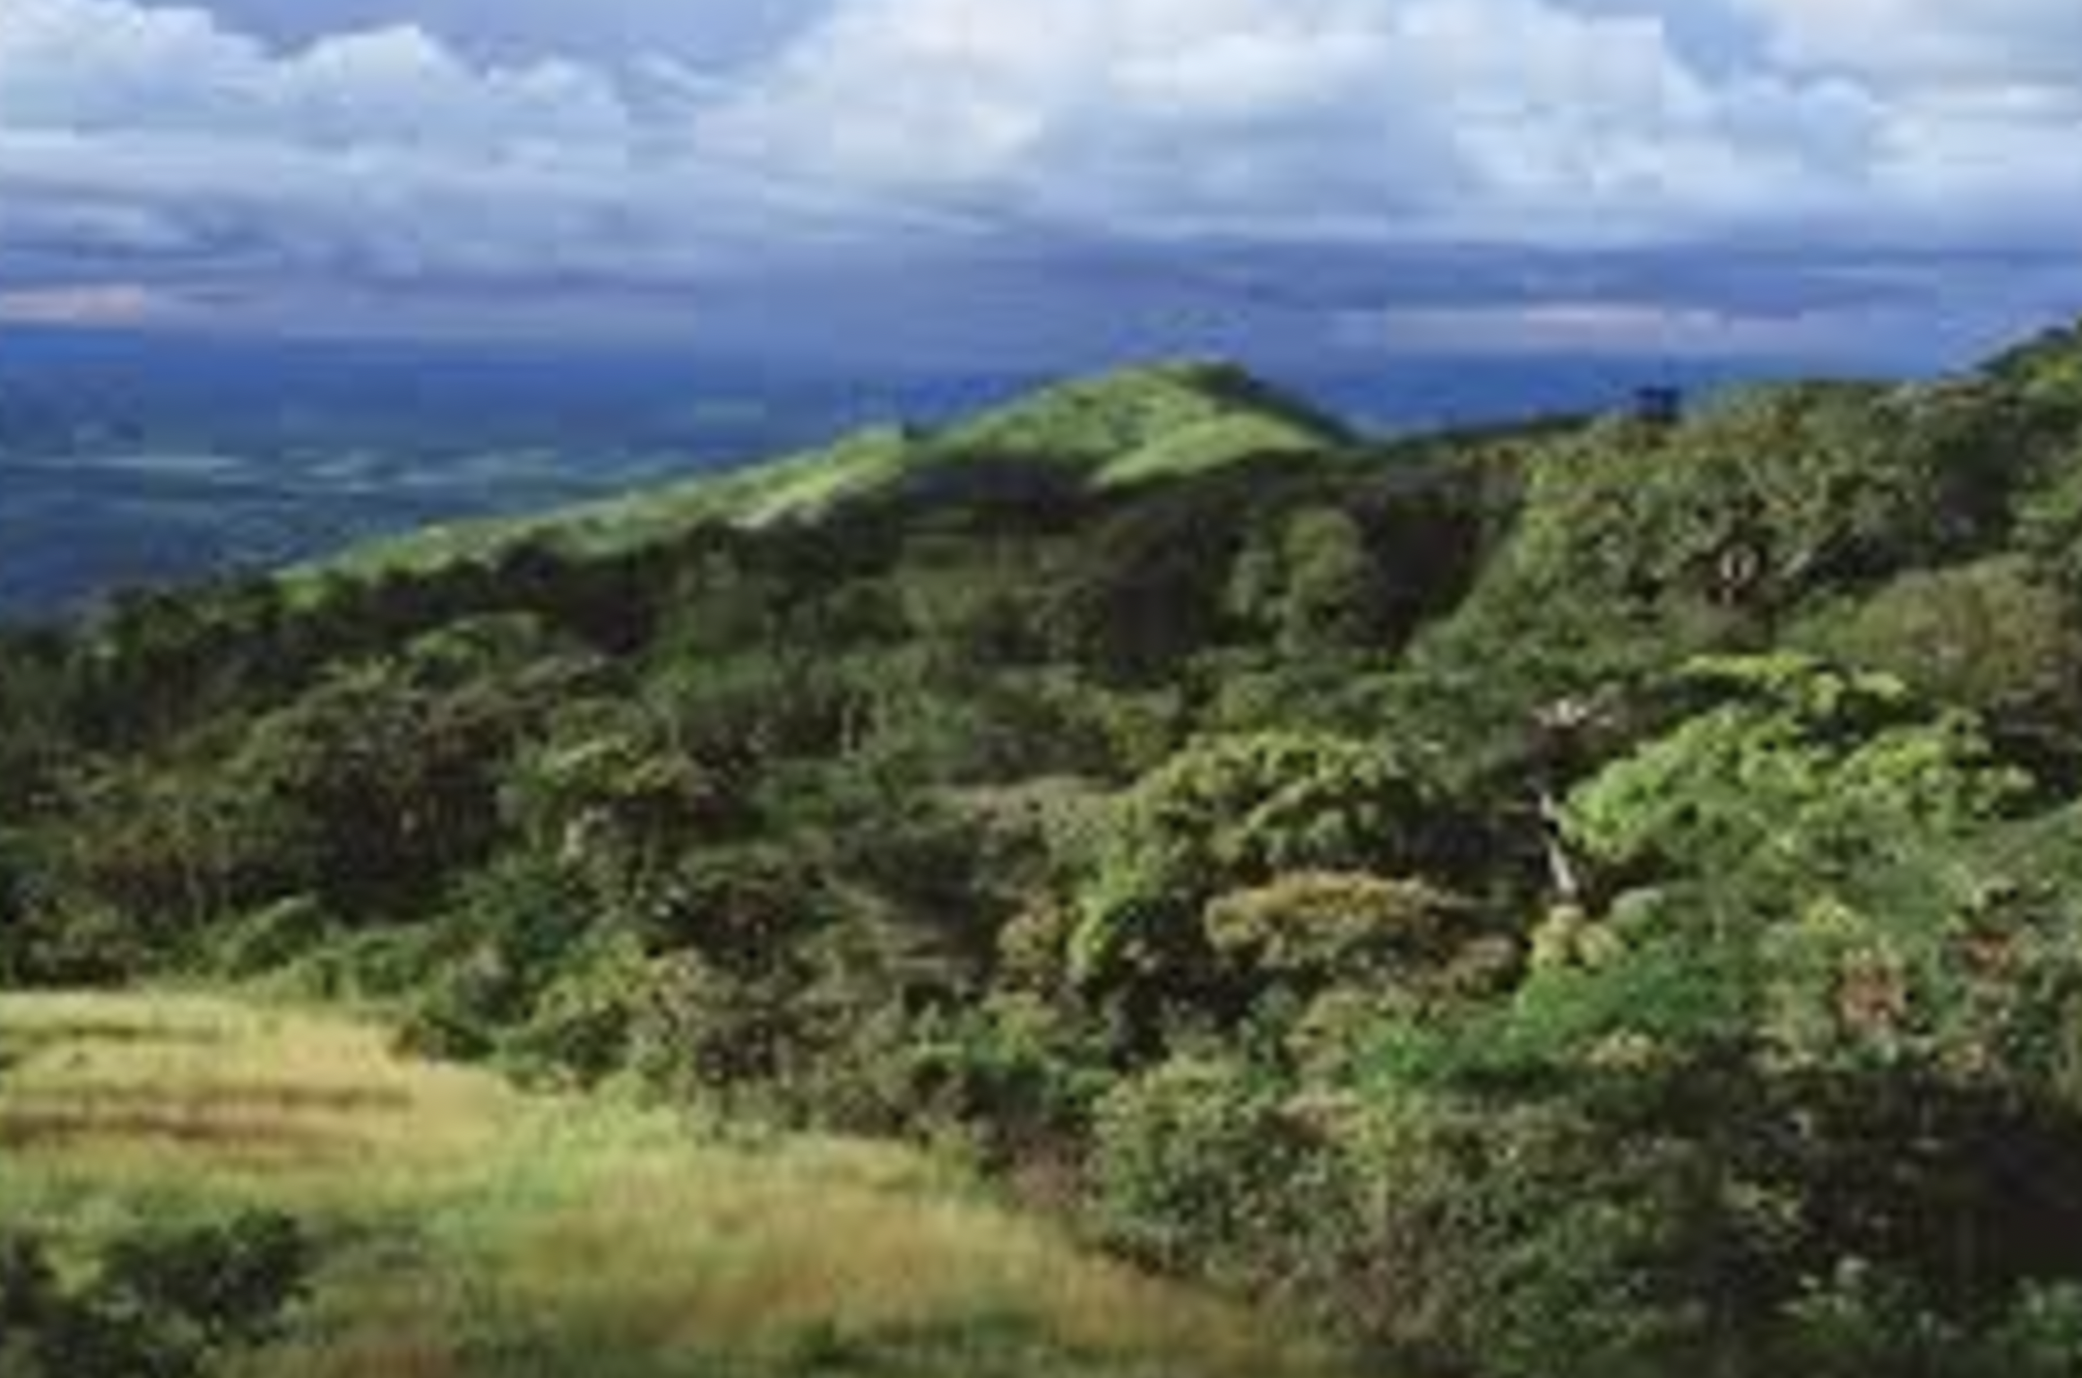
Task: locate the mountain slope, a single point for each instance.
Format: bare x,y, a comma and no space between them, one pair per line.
1608,890
1139,425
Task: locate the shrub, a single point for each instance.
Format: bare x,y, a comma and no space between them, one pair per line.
267,940
1990,637
1197,1165
1317,928
230,1283
157,1303
2041,1337
1231,813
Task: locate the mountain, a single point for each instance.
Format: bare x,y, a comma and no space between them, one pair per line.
1606,888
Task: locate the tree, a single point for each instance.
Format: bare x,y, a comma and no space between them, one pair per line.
610,792
1762,500
36,707
1792,770
1228,814
1988,636
1310,584
384,778
1309,931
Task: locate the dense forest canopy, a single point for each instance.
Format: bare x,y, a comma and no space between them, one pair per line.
1607,889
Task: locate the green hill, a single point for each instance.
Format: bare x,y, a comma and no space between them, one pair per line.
1136,426
1162,421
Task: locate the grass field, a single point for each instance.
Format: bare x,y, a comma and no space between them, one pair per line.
471,1229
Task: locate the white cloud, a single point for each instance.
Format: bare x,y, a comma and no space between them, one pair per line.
1491,118
91,65
1595,327
130,132
1973,43
165,143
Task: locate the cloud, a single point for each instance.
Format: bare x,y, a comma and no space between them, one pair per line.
1886,122
2001,44
1409,119
705,31
137,134
98,304
167,147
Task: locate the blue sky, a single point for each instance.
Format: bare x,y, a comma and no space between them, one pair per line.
1023,181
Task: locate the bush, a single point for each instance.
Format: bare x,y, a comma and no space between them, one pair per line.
1990,637
268,939
524,963
1233,813
93,945
1197,1165
1320,928
230,1283
2042,1335
157,1304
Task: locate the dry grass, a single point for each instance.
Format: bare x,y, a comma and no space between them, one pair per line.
478,1231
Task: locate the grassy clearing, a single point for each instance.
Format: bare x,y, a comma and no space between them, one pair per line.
472,1229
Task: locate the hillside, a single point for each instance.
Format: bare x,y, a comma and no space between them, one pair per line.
456,1225
1137,426
1607,889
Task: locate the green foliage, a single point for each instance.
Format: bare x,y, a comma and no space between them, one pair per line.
1197,1163
1231,813
611,793
1955,963
1309,931
157,1304
1987,636
1140,426
1799,768
1311,584
1767,497
2041,1336
267,940
1146,590
35,730
1167,420
384,777
2045,372
522,964
2049,521
1621,869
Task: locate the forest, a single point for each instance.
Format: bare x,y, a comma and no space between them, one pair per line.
1604,892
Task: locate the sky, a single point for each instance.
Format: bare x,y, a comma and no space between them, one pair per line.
1009,182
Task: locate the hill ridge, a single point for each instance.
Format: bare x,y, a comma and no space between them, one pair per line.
1136,424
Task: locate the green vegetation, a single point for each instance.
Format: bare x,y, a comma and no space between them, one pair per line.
1604,891
197,1186
1140,426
